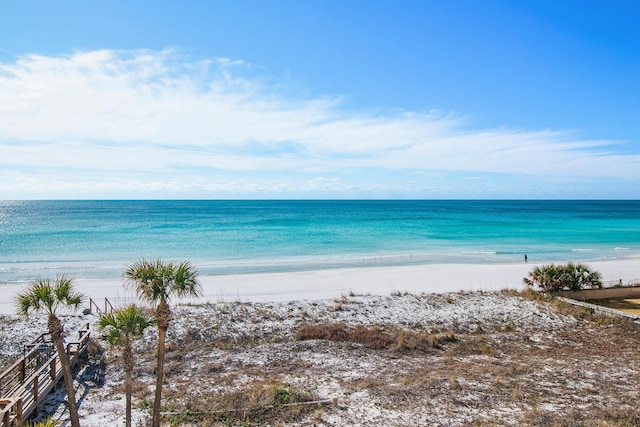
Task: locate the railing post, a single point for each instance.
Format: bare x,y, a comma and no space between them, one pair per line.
23,369
93,304
19,412
53,369
35,391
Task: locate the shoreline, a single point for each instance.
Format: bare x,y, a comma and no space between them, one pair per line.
331,283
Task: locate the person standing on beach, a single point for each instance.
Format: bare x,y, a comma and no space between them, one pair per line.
526,258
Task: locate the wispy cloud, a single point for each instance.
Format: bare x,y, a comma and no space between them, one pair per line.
142,123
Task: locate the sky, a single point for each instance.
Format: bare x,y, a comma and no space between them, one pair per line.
320,99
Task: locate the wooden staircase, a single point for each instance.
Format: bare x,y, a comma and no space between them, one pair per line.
27,382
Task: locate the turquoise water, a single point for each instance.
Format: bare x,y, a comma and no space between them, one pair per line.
97,239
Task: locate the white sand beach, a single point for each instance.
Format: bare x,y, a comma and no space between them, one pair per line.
508,349
330,283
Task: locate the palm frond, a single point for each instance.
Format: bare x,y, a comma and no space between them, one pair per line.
186,282
157,281
45,295
121,326
114,337
48,422
145,279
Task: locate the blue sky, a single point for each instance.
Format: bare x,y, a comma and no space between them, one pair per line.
319,99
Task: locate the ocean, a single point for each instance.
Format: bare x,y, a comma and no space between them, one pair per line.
98,239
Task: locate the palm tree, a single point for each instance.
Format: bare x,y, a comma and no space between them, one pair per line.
120,328
578,276
547,278
46,296
569,277
156,282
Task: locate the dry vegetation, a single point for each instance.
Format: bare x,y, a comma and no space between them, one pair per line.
404,360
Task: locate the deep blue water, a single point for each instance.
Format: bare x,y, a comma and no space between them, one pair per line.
97,239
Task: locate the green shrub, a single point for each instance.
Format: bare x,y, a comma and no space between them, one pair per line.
569,277
287,395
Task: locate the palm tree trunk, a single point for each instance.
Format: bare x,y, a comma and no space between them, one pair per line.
128,382
56,330
163,315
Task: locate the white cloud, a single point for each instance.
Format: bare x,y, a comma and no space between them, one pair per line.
111,123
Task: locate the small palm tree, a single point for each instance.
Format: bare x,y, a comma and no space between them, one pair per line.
46,296
569,277
119,329
156,282
547,278
578,276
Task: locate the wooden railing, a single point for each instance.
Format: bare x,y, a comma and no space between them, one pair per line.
27,382
108,307
35,354
11,410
